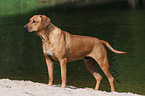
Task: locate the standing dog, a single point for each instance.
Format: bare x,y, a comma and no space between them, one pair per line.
61,46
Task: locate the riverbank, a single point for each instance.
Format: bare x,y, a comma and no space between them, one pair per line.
29,88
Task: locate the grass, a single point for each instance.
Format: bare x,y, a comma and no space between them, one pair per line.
12,7
5,3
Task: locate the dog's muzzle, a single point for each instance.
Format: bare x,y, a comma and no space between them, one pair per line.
26,29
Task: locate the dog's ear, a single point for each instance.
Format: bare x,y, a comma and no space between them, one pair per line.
44,21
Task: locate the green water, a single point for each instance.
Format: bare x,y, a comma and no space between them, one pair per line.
21,54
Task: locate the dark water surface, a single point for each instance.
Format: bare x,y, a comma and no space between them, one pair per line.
21,54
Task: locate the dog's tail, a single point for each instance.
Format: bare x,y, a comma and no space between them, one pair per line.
113,50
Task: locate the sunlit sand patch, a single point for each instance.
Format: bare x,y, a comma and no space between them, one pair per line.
29,88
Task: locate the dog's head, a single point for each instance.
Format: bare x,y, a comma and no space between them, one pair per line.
37,23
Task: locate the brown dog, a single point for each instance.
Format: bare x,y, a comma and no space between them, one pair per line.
64,47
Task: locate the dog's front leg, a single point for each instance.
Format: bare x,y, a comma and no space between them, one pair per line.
63,65
49,63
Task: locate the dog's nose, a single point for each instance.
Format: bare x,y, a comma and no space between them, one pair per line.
25,28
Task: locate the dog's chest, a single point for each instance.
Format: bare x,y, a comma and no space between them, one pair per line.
49,53
48,49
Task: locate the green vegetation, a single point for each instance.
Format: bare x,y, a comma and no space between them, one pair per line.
11,7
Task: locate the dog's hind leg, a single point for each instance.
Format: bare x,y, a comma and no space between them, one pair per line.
90,64
101,57
104,65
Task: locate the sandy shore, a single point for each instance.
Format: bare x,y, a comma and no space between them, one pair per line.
28,88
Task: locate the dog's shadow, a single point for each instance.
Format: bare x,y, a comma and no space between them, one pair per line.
67,86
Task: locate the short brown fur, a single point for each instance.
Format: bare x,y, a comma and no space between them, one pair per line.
64,47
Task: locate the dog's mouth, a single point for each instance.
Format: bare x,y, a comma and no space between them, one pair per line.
33,31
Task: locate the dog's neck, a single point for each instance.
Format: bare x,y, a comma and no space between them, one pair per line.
50,33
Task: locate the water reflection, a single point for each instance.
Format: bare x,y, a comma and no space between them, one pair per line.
13,7
109,3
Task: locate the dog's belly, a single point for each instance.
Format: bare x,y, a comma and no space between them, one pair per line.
77,56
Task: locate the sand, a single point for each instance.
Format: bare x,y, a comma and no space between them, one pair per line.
29,88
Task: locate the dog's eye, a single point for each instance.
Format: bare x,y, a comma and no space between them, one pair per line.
34,21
